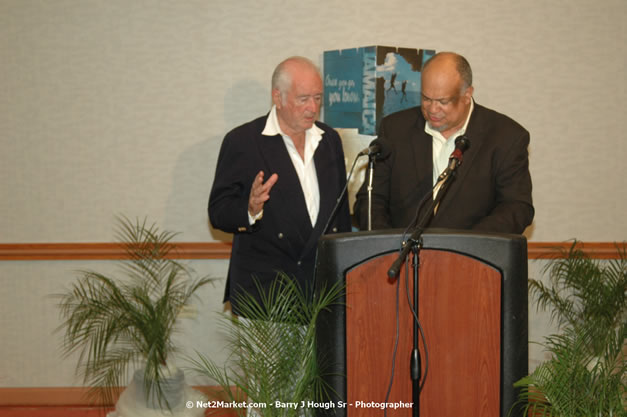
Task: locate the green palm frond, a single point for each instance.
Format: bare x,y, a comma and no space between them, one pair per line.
119,323
574,382
584,291
586,375
272,352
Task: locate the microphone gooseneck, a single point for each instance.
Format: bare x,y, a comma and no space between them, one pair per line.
461,145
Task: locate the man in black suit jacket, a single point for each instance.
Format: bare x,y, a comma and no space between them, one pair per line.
491,190
277,223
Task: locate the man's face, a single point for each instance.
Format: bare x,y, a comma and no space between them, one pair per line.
445,104
299,107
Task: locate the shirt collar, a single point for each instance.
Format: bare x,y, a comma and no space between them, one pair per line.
272,128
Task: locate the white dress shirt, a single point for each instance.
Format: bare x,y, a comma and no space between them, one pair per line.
442,147
305,167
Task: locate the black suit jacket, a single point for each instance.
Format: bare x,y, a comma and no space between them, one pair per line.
492,188
283,240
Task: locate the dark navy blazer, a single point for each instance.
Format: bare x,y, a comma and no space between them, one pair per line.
284,239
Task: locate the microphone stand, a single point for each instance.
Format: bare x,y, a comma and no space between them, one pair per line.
371,160
414,244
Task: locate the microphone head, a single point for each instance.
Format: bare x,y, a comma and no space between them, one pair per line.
382,146
462,143
374,148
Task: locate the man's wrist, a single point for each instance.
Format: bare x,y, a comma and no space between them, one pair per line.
252,219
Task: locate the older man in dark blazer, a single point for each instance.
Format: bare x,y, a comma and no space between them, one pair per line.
491,190
277,180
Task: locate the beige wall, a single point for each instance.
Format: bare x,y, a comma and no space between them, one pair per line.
119,106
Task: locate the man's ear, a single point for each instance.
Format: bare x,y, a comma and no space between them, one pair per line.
468,93
276,98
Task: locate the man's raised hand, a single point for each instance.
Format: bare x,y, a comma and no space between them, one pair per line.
260,193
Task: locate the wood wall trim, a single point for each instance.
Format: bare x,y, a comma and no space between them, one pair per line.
104,251
222,250
45,396
70,396
66,396
595,250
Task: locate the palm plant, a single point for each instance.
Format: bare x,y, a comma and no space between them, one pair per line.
117,324
272,351
586,375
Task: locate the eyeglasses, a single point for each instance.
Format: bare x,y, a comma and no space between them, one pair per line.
441,101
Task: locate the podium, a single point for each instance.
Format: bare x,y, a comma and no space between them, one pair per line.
472,307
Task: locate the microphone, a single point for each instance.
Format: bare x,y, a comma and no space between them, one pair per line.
461,144
378,149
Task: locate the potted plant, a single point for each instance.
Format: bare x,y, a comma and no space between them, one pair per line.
586,374
272,369
119,323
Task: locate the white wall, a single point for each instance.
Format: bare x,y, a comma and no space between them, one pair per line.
120,106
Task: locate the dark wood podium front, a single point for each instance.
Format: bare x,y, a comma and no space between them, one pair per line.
472,308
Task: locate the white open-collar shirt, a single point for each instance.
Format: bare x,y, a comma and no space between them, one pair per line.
442,147
305,167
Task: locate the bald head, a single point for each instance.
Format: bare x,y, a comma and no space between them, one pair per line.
446,84
450,62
